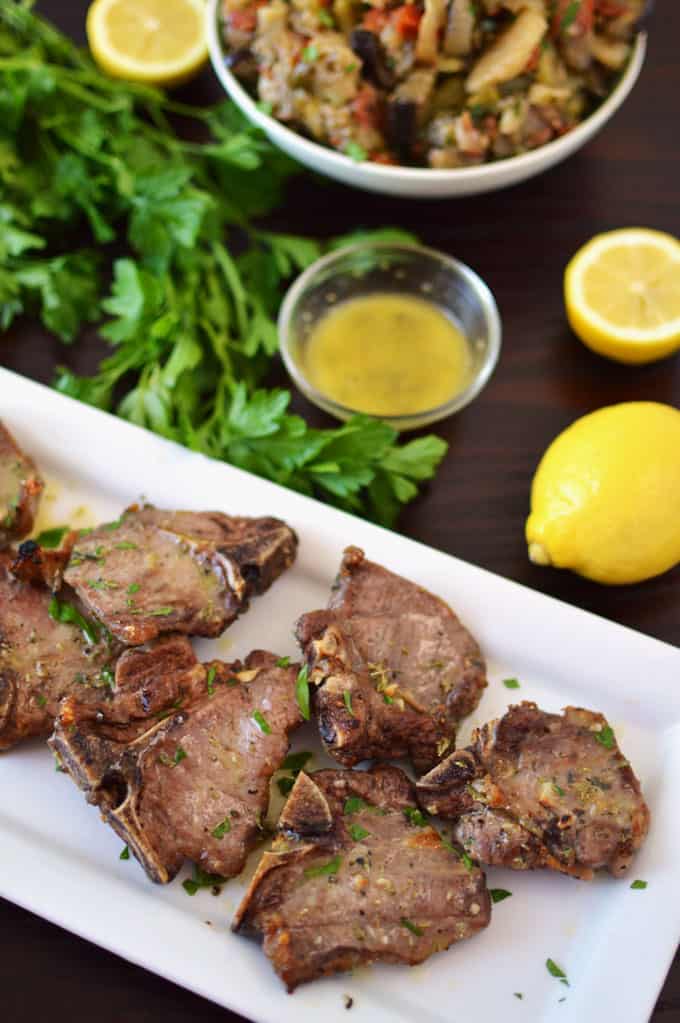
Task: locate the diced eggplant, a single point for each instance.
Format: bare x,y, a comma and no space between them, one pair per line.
371,52
242,63
408,108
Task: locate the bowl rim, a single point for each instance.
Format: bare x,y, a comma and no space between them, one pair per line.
411,420
533,159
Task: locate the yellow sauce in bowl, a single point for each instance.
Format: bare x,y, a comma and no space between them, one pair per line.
387,355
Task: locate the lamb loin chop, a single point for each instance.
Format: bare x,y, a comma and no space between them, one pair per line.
153,571
20,490
356,875
392,668
542,790
48,648
190,780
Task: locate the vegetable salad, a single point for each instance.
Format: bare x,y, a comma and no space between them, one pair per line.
437,83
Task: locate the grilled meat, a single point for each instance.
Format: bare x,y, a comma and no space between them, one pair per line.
155,572
48,648
393,669
192,780
20,490
355,876
542,790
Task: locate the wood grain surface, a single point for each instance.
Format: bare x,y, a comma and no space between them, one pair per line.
519,240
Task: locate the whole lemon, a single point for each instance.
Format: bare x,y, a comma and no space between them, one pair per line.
605,500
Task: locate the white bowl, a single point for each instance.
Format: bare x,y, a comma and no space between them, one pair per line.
419,182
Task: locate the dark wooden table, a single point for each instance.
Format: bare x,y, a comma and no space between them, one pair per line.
519,240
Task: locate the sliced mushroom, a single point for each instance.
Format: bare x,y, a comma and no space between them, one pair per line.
431,22
242,62
510,53
613,53
460,28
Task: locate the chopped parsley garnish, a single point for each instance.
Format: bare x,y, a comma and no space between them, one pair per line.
559,791
50,538
605,737
201,879
353,804
351,67
285,785
357,832
107,677
347,700
518,994
326,19
262,723
283,662
161,612
355,152
125,545
296,761
125,855
416,817
639,885
133,588
210,679
310,53
511,683
180,755
466,860
222,829
570,15
555,971
388,699
62,611
410,926
324,869
498,894
302,691
41,700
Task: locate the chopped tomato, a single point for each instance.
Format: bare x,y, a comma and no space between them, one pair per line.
610,8
366,107
385,158
244,19
375,20
406,20
569,13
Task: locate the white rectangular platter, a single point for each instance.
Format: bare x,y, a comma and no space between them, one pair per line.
58,860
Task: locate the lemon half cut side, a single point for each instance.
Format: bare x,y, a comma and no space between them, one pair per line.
622,294
159,42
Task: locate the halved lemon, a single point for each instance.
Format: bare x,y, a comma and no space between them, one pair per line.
160,42
622,293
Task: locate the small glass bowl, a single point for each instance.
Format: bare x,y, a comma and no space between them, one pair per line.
370,267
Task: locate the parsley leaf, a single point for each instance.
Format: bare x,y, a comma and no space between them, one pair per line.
125,854
324,869
499,894
511,683
347,700
296,761
605,737
201,879
353,804
222,829
283,662
639,885
555,971
357,832
302,691
416,817
51,538
413,928
262,723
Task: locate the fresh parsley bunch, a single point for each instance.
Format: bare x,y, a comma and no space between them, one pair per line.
190,313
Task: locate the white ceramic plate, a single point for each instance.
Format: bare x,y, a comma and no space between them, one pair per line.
417,182
61,862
